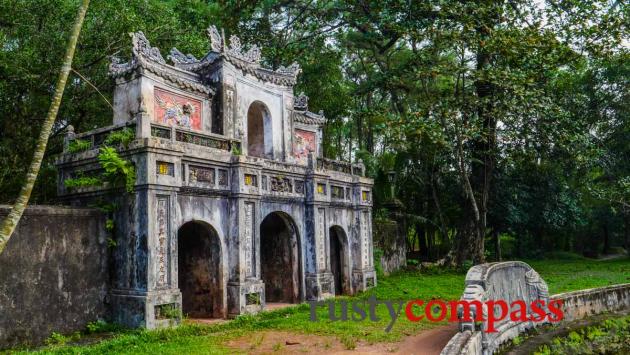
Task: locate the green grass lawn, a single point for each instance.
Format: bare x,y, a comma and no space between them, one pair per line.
561,275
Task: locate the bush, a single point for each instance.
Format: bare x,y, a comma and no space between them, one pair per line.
508,246
82,181
124,137
117,170
78,145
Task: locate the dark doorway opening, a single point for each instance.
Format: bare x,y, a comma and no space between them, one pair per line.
199,270
337,260
280,259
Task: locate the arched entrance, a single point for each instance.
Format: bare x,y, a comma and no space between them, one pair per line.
280,258
199,270
338,259
258,130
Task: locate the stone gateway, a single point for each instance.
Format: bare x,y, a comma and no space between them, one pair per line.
233,206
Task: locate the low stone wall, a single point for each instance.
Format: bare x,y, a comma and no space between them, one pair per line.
516,280
584,303
53,274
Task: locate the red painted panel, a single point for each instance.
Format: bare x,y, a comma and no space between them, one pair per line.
177,110
303,143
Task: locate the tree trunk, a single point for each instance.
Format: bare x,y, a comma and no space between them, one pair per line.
11,221
626,231
483,148
606,240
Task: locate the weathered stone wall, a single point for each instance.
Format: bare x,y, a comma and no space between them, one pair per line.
389,238
584,303
53,274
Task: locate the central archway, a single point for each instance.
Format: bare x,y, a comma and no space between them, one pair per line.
280,258
199,270
339,260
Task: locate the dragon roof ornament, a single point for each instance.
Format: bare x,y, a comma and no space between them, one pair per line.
233,52
145,57
300,103
216,39
178,57
303,115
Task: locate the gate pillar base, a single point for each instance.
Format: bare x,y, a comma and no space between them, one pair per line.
245,298
363,279
150,310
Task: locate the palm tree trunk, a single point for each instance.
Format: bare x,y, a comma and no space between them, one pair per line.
11,221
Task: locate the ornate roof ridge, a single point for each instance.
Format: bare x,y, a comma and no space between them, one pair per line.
149,58
310,118
247,61
188,62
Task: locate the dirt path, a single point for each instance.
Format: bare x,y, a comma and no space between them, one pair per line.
429,342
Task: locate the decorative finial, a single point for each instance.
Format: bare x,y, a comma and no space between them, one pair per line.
216,39
301,102
178,57
142,48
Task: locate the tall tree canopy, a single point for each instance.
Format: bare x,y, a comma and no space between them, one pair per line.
501,119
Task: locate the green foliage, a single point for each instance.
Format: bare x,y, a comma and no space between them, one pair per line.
578,273
236,149
610,337
118,171
517,340
121,137
79,145
106,207
377,253
253,298
82,181
58,339
111,242
169,311
101,326
349,343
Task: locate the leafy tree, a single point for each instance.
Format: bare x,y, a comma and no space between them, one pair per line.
11,221
497,117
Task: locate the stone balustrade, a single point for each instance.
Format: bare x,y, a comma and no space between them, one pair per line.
95,137
260,176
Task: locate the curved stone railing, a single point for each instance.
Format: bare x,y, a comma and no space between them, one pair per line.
515,280
507,281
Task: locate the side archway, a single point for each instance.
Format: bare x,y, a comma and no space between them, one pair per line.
339,259
200,278
259,136
280,259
